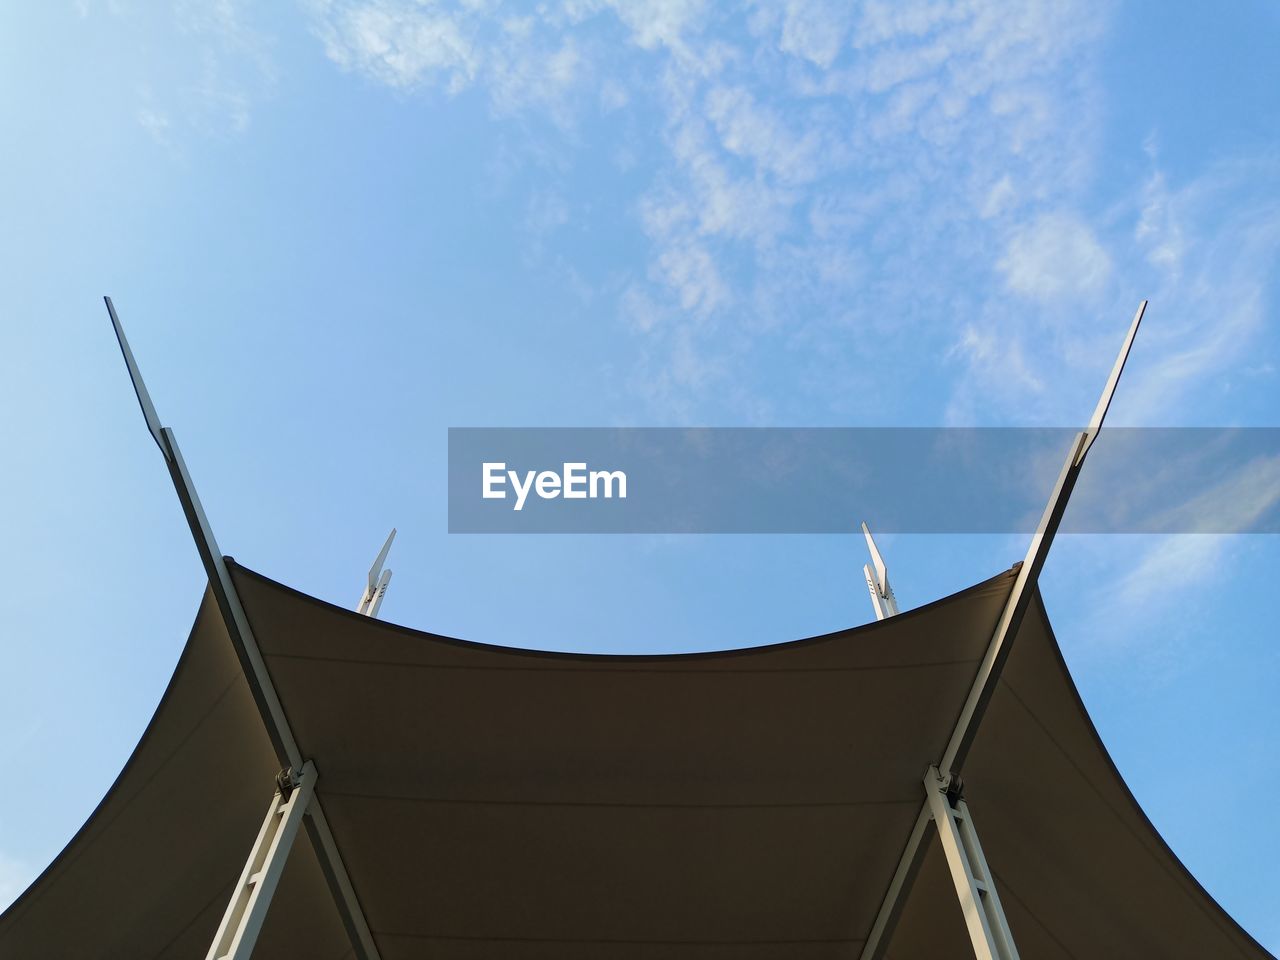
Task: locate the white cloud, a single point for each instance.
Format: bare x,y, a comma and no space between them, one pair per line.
155,123
1211,248
401,44
219,66
84,8
235,65
1000,356
1151,598
758,134
519,59
546,212
815,30
1234,505
689,269
1158,229
658,23
1172,565
640,311
1204,253
543,77
1056,256
898,173
613,96
999,198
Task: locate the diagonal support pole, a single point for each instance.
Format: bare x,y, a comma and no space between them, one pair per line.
251,898
1015,608
895,898
975,887
335,873
1028,578
249,655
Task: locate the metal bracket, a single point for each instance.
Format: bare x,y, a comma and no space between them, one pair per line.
245,914
288,780
376,588
953,788
877,575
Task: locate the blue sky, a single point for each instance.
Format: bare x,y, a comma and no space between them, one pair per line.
335,229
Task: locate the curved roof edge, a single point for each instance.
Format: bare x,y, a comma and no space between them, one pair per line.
1124,784
62,857
571,655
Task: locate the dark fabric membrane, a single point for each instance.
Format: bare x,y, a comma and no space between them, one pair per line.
1081,871
150,873
500,803
493,802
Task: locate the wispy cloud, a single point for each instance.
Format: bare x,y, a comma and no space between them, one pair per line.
1148,599
1055,256
815,30
1169,567
520,59
910,136
1237,502
155,123
840,191
1204,253
220,67
1211,247
401,44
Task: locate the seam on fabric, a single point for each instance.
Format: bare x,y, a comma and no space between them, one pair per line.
471,802
621,671
1006,891
817,941
42,884
1171,871
223,893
